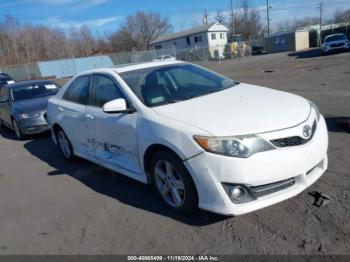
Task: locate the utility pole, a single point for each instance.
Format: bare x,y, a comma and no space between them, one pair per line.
232,21
205,16
320,6
268,16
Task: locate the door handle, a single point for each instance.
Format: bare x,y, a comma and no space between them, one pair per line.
89,116
60,109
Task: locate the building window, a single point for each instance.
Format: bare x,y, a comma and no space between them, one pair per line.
158,47
221,35
188,40
213,36
198,39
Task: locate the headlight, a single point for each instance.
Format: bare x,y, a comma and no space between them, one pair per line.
239,146
317,111
27,116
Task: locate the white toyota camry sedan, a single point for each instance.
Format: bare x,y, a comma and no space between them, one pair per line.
201,139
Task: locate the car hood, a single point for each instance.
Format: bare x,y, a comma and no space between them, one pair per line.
336,42
242,109
31,105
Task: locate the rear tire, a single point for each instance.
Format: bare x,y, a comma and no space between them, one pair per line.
65,145
172,182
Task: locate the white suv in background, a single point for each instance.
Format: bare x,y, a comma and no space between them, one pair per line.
201,139
335,42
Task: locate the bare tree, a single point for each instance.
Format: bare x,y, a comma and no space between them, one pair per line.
247,21
220,17
289,25
139,30
341,16
27,43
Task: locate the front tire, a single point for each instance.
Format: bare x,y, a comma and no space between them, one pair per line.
17,130
172,183
65,145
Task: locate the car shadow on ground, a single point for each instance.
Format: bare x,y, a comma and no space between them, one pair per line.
338,124
310,53
7,133
106,182
316,52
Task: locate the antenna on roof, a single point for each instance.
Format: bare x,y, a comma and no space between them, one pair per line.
205,16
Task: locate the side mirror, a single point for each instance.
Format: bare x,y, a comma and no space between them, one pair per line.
117,106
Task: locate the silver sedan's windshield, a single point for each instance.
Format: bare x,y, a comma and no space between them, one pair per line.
169,84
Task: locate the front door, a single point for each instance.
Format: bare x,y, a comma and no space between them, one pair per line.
111,137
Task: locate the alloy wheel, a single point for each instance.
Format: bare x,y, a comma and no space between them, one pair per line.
64,144
169,183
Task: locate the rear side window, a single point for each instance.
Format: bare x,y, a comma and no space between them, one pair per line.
78,91
104,89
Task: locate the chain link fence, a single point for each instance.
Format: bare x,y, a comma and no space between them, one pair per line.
69,67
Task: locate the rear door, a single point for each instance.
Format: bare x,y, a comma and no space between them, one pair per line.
112,137
71,110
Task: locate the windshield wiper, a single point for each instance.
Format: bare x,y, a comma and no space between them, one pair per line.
165,102
43,95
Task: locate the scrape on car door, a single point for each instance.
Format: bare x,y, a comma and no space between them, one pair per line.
111,137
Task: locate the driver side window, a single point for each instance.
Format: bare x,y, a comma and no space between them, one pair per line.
104,90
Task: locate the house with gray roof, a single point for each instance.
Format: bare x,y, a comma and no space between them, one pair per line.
213,36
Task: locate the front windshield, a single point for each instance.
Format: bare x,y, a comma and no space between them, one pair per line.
34,91
335,38
170,84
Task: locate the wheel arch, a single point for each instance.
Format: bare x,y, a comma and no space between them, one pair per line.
149,153
55,128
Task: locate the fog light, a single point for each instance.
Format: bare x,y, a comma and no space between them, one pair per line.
237,192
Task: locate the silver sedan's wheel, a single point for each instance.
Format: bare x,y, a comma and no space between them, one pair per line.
64,144
16,129
169,183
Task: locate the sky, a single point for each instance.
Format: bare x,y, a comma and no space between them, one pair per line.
107,15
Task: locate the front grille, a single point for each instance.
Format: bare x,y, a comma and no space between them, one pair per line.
294,140
263,190
337,45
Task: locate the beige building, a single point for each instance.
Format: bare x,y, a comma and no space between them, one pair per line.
287,41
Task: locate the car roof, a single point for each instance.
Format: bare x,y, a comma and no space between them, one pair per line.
29,82
130,67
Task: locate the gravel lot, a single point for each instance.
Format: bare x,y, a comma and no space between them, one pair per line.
49,206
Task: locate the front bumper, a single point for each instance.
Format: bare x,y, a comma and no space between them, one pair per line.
34,125
305,163
338,48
